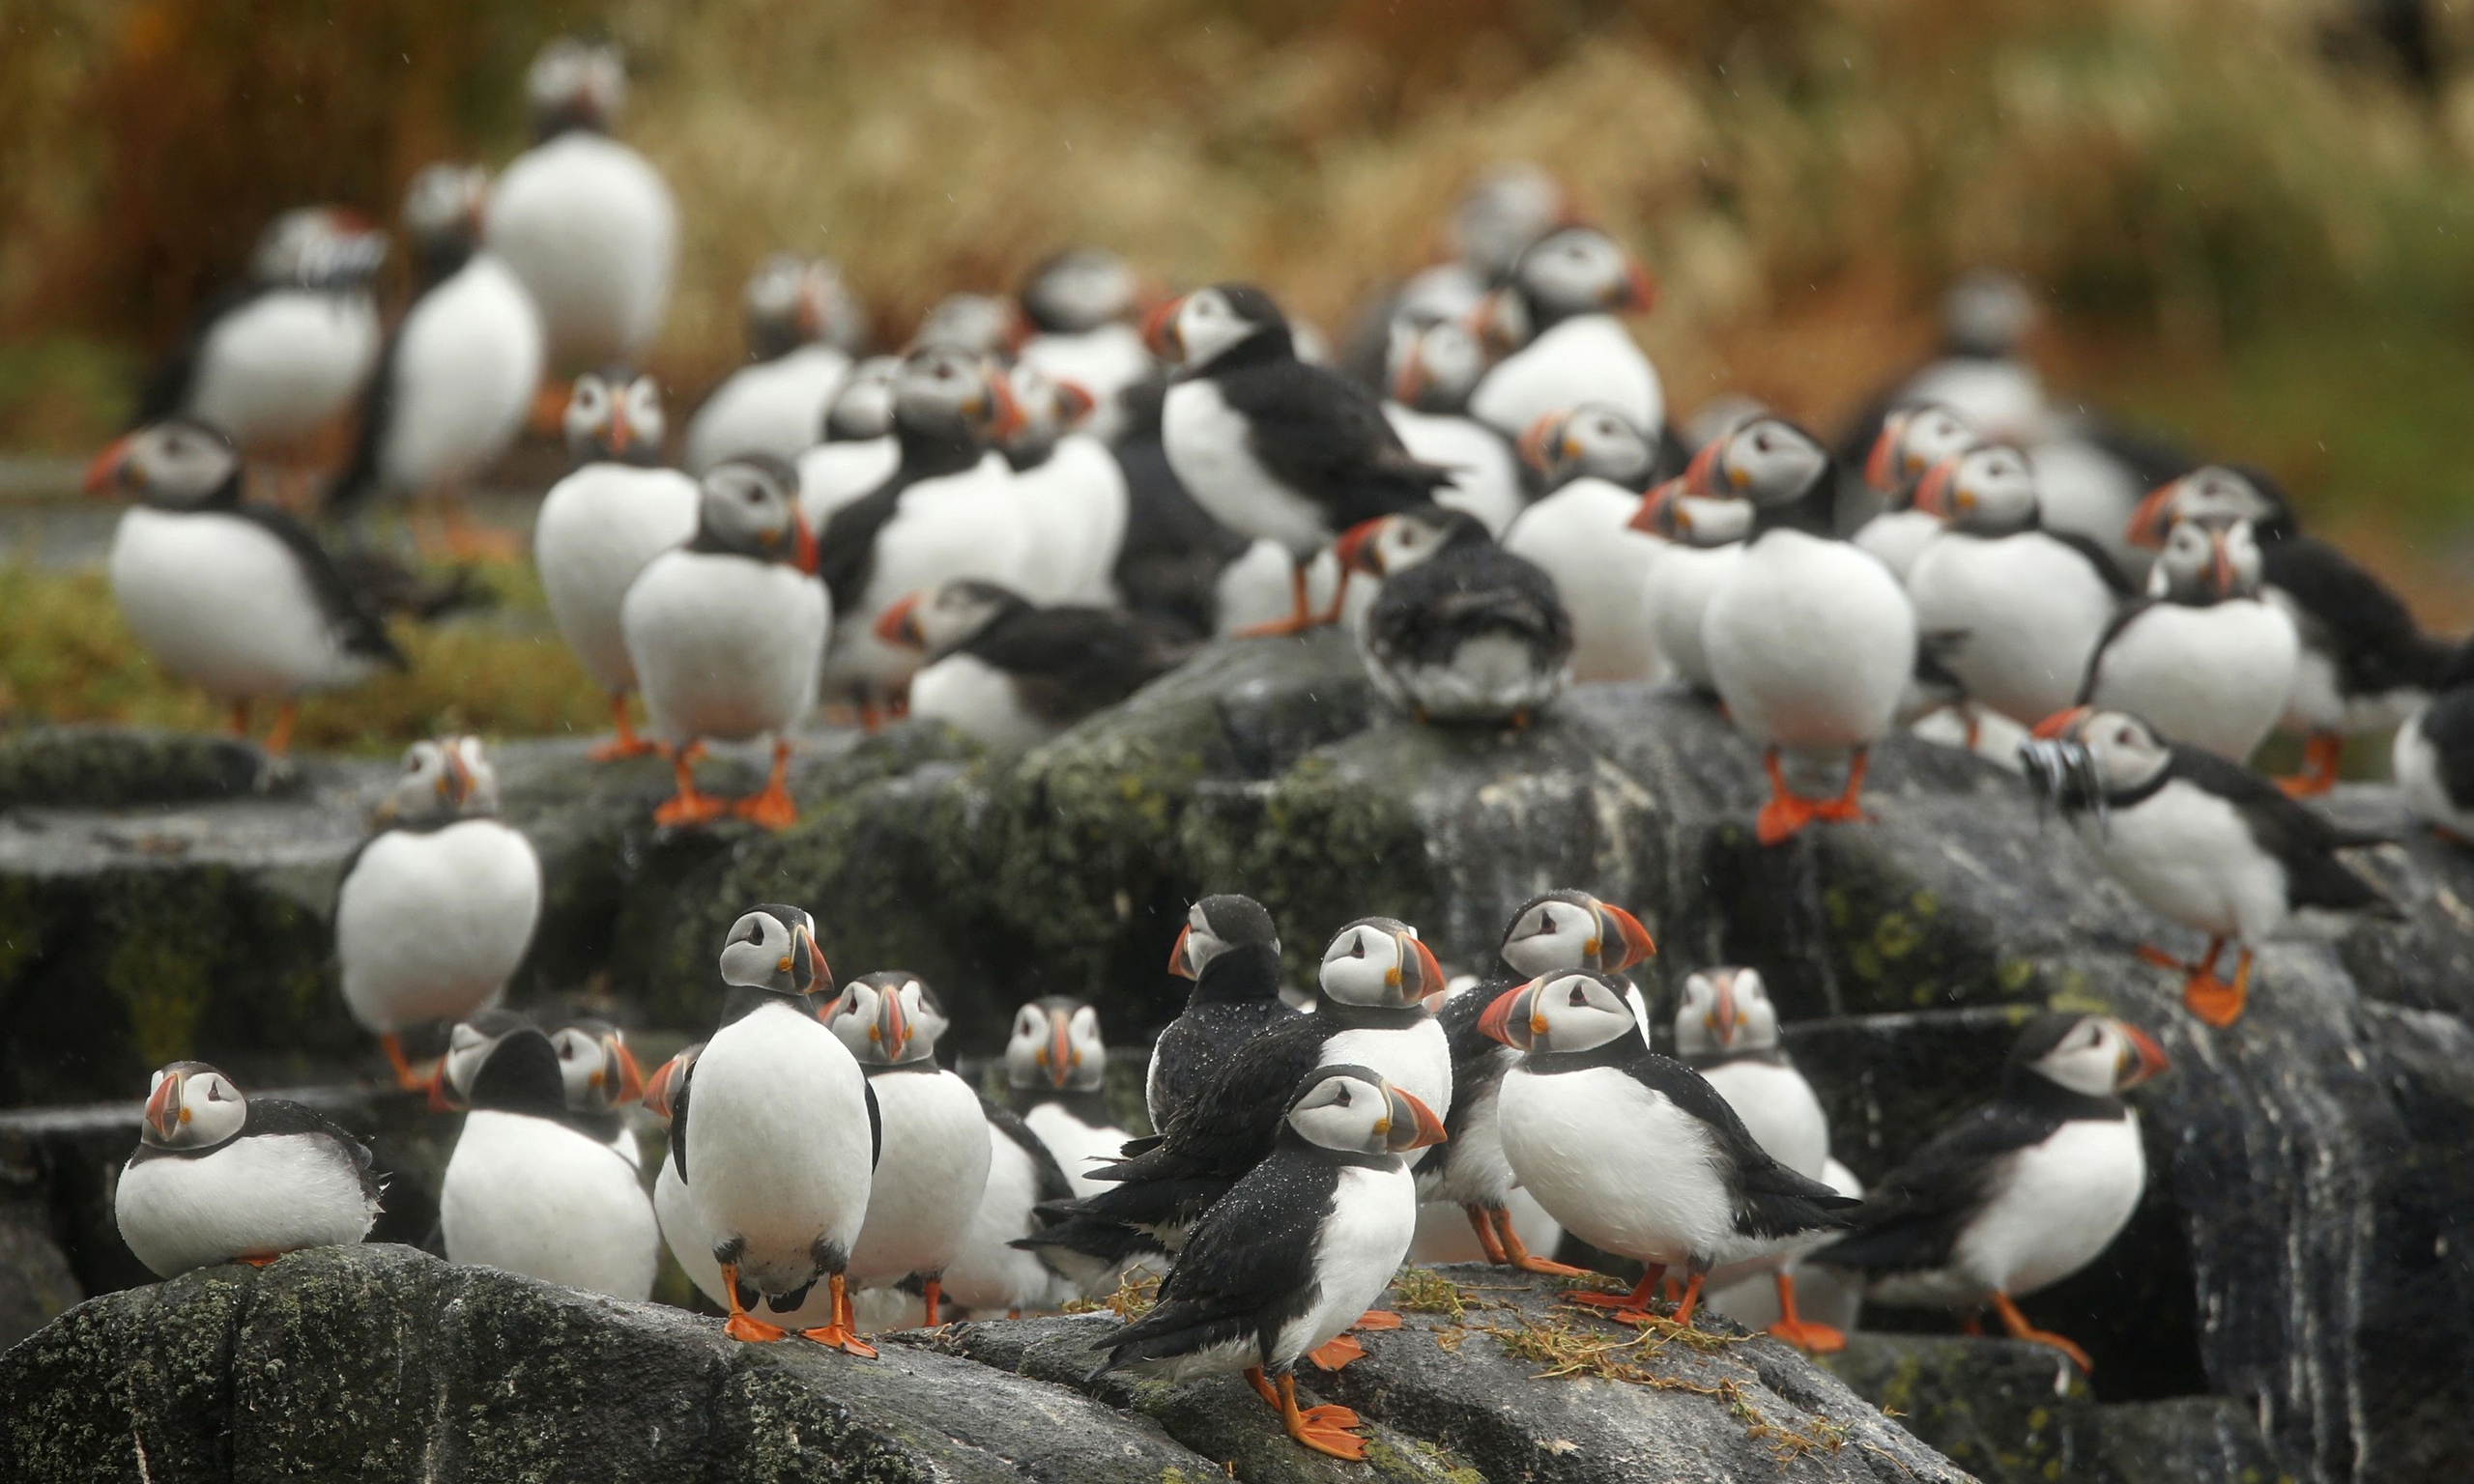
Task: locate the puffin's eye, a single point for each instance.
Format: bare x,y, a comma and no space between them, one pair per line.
214,1090
1357,947
1343,1100
1578,997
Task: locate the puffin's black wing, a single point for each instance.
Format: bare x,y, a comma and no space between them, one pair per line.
678,1123
875,1126
1771,1200
280,1116
846,550
2303,840
2129,614
1247,1268
1427,612
2449,724
356,624
1325,436
1910,1221
2377,645
1051,1183
1069,661
361,476
167,387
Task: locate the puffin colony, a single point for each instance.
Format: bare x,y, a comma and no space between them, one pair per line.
1042,503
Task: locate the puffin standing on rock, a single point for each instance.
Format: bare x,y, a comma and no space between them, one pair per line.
1230,949
727,633
1013,674
2020,1192
2204,656
1270,445
2206,842
1463,631
1289,1258
1055,1077
1560,306
221,1177
436,908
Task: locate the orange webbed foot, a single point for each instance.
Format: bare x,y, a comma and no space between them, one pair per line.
619,749
774,809
1333,1354
839,1337
1377,1319
689,808
1809,1336
1330,1416
2212,1000
258,1260
1530,1262
1332,1442
2156,958
750,1330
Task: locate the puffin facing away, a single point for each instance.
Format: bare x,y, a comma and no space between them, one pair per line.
1463,631
221,1177
1230,950
2020,1192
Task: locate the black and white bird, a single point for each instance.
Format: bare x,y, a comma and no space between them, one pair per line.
988,1275
727,634
1581,534
527,1190
2202,841
1592,441
2020,1192
456,379
1083,309
1463,631
1561,307
1292,1254
2364,662
775,1134
2205,657
1013,674
1072,490
438,906
2011,609
1056,1077
2433,756
933,1158
1811,640
220,1178
1504,209
1912,439
856,452
234,597
584,221
1431,369
1230,950
1703,542
682,1228
803,325
598,1070
1272,446
1632,1152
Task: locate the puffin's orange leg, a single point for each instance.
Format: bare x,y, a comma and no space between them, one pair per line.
2323,757
1804,1334
1482,1221
1634,1305
1849,806
1691,1300
286,714
1262,1385
688,806
1787,812
1517,1255
626,744
841,1334
2017,1328
741,1324
1299,619
1322,1429
406,1078
774,809
932,1295
2212,999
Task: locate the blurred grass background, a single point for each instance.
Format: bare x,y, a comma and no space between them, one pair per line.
2251,220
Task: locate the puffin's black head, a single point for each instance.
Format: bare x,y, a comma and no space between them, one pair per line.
1208,324
1380,961
1591,440
888,1018
2224,490
329,247
575,84
863,409
948,616
1434,365
1912,439
443,779
1354,1110
1988,491
1503,212
1055,1046
2082,757
442,208
1581,271
663,1087
772,948
178,464
749,506
2095,1056
1215,924
973,325
1568,929
615,417
597,1070
469,1046
952,397
790,302
1078,290
190,1105
1575,1012
1390,545
514,1071
1724,1010
2207,560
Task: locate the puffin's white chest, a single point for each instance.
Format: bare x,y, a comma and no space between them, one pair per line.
1585,359
725,647
430,924
2186,853
1686,579
598,528
257,1196
987,1276
1210,446
1619,1165
277,367
1897,537
2057,1206
1778,1108
1359,1247
1603,571
775,407
778,1145
2031,608
1076,1144
2216,677
223,604
1810,642
466,363
833,474
592,232
969,525
1416,1059
1485,483
977,699
1076,507
928,1178
534,1196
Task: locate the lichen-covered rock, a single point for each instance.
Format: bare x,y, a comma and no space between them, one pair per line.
36,1282
116,767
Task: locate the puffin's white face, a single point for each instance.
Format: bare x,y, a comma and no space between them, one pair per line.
1912,440
1378,961
1987,491
1505,210
1083,289
863,407
1705,523
2127,751
2207,560
1569,931
948,616
618,420
598,1070
1601,442
576,80
1433,366
1392,544
191,1105
468,1046
1575,1012
1045,408
1056,1044
1769,462
2100,1056
886,1018
1725,1010
179,465
445,779
444,203
2213,492
974,325
1356,1111
661,1089
1582,270
774,947
1206,324
751,507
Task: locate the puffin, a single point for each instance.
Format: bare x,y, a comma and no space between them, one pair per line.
1056,1080
984,327
2364,663
528,1191
1272,446
2018,1193
2011,609
781,1213
220,1178
1704,540
2204,656
1504,209
1581,534
1462,630
1811,639
2202,841
1912,440
598,1072
934,1156
456,379
1560,305
990,1275
1082,310
234,597
598,526
584,221
727,633
1013,674
1292,1254
1432,368
1635,1152
1229,948
277,360
1071,489
1591,440
803,324
436,907
1557,931
855,451
1727,1030
2432,754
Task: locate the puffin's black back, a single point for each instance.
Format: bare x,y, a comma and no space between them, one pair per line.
1321,434
1069,661
1426,613
2303,840
521,1076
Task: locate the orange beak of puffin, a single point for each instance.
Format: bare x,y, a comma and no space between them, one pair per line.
1417,974
1409,381
1722,1018
899,625
1159,331
1059,1052
163,1110
1880,465
457,782
808,968
1535,438
621,433
1700,476
2058,722
1005,419
1355,547
1640,293
2147,1059
2148,523
2224,565
1509,1019
1651,518
105,474
658,1089
620,1063
1933,491
1177,963
1622,931
804,550
892,1030
1411,1124
1077,401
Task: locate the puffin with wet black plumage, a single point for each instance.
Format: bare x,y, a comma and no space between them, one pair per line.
1229,948
1462,630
